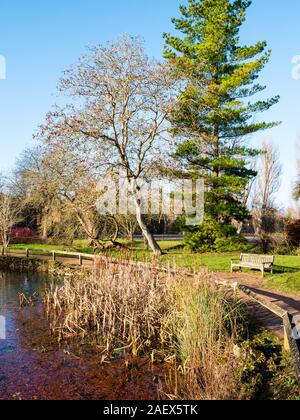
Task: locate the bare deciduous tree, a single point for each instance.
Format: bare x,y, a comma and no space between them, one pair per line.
128,226
31,185
60,184
264,197
9,217
123,100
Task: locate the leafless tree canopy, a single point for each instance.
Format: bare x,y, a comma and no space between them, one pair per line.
63,190
9,214
118,113
264,197
268,180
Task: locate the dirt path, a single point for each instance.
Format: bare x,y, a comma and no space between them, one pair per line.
287,301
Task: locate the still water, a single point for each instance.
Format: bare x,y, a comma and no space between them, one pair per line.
11,286
34,366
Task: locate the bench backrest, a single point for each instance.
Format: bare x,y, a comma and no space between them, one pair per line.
257,259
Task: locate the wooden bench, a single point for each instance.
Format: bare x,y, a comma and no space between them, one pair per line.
264,263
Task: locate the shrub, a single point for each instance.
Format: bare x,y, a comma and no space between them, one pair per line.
232,244
213,236
282,245
293,233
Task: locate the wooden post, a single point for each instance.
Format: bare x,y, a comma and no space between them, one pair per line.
53,255
80,259
287,347
27,253
2,251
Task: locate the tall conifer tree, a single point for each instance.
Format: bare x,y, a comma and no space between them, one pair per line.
215,114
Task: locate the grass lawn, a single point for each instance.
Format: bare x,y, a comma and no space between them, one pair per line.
82,246
38,248
286,276
289,283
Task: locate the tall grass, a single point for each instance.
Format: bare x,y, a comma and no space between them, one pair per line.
139,312
206,334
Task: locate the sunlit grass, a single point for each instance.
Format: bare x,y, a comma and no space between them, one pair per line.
286,271
288,282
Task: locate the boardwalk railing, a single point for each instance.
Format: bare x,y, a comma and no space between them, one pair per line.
53,254
290,327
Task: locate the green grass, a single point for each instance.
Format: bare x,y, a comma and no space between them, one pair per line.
40,247
289,283
286,276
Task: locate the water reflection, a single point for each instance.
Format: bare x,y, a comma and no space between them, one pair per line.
11,285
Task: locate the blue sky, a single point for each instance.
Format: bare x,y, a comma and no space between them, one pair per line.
40,38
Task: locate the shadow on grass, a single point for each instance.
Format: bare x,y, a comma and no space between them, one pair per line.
176,248
278,269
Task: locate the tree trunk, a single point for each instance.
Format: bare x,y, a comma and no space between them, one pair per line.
146,244
148,235
44,232
5,240
145,230
117,231
131,237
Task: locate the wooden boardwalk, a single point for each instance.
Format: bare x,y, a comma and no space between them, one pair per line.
286,301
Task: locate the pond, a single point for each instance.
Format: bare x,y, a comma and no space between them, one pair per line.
11,286
34,366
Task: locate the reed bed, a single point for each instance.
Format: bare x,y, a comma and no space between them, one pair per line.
137,311
117,308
